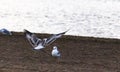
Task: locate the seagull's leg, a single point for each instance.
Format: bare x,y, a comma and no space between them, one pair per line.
58,59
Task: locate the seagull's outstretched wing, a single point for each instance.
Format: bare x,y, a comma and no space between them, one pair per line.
32,38
53,38
5,31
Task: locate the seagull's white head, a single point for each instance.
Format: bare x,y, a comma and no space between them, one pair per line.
54,47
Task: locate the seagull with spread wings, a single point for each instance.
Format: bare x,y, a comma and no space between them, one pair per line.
38,43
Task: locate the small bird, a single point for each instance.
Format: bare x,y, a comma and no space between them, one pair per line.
38,43
55,52
5,31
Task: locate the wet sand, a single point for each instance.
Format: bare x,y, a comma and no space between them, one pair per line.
79,54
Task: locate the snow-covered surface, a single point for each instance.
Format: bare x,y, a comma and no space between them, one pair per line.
96,18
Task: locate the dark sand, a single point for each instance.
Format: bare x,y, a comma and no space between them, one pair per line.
79,54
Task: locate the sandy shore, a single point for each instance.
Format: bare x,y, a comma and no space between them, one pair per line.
79,54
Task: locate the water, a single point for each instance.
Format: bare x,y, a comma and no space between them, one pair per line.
96,18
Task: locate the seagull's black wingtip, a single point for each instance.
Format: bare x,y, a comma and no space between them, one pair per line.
65,31
27,32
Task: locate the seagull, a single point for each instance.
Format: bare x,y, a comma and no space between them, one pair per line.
38,43
55,52
5,31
